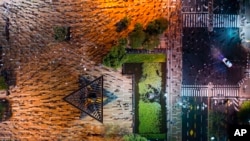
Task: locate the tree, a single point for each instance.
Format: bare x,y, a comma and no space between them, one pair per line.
134,137
122,24
157,26
116,57
123,42
137,36
244,113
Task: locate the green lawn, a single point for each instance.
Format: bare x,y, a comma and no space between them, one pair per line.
140,58
149,117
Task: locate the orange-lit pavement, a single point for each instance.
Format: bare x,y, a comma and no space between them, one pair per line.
46,71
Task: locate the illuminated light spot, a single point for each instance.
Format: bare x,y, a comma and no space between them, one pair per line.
191,107
191,133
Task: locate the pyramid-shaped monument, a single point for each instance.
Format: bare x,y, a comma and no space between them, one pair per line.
89,99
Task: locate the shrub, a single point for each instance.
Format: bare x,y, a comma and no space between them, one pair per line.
61,33
3,85
157,26
122,24
123,42
137,36
134,137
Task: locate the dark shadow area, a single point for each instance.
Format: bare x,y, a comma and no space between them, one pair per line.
226,6
9,76
5,110
7,29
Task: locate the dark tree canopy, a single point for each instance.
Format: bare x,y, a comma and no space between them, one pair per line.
217,124
244,113
157,26
122,24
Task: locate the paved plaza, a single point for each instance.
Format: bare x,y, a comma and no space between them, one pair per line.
37,97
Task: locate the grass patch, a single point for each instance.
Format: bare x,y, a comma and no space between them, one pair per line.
149,117
145,58
151,75
154,136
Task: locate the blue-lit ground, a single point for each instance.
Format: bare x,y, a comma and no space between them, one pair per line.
203,52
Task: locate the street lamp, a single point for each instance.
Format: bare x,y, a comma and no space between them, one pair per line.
212,138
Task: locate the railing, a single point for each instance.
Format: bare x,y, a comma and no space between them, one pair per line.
145,51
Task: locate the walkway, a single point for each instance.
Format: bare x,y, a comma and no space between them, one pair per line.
202,20
210,91
174,72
